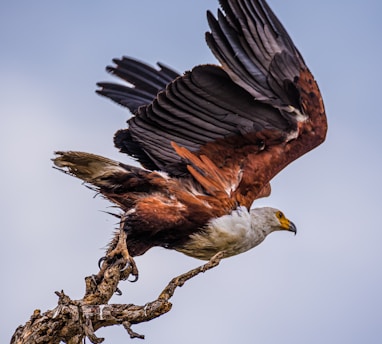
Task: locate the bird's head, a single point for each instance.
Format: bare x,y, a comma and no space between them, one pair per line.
269,220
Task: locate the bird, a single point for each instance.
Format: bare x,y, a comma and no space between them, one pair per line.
209,140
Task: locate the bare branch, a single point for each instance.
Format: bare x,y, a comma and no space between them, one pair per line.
73,320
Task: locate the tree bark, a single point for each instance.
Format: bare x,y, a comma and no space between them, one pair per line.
73,320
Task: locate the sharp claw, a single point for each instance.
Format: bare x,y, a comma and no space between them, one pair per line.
125,268
118,292
135,278
132,271
100,261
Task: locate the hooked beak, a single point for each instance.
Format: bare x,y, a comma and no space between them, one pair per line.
292,227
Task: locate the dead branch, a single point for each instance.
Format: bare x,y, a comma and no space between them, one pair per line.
73,320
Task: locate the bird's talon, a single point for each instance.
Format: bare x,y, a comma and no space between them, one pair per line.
125,268
100,261
136,276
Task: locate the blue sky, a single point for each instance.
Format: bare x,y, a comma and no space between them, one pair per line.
322,286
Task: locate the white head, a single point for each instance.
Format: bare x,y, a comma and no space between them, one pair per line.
268,220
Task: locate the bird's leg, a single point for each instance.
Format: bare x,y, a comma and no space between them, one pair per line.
118,254
120,251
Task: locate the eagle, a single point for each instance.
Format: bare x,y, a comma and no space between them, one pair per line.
209,140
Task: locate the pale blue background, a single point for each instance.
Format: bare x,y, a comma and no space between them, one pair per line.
322,286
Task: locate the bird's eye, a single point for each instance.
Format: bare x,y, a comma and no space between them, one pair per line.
280,215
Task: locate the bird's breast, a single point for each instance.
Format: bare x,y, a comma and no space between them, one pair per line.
232,234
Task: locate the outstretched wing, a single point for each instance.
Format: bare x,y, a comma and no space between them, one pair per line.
146,82
248,118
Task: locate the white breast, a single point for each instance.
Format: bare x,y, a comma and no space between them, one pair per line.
233,234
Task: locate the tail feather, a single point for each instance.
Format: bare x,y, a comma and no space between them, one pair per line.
94,169
120,183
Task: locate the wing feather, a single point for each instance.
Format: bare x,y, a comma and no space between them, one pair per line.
257,112
259,39
145,82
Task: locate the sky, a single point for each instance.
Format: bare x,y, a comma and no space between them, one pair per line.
321,286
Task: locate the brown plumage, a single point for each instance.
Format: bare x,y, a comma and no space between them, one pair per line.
218,134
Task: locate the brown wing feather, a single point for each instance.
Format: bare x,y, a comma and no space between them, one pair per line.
215,181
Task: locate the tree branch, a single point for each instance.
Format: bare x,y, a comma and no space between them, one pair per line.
73,320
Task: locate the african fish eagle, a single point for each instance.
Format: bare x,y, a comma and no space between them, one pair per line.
209,140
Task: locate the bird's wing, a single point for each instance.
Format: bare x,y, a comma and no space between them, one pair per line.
247,119
145,82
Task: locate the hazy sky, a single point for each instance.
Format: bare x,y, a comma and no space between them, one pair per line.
322,286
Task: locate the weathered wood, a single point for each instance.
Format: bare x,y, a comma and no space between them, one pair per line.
73,320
